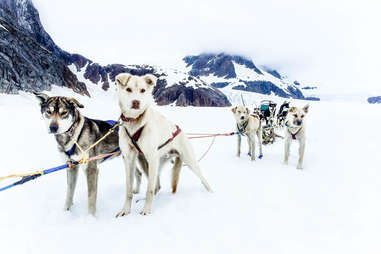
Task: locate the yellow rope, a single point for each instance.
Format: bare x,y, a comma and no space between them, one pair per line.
41,172
83,160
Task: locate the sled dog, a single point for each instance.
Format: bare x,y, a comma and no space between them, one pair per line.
249,125
295,130
147,133
68,125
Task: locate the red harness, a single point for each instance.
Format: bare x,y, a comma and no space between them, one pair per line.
293,135
134,138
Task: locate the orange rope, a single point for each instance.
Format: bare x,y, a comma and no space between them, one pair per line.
210,146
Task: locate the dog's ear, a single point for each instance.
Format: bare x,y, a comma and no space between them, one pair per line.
305,108
247,111
123,78
150,79
292,109
234,109
41,96
75,103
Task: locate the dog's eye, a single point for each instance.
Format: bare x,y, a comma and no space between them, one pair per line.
128,90
295,115
64,113
302,116
48,112
143,90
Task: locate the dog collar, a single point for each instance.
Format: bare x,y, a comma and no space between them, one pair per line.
130,119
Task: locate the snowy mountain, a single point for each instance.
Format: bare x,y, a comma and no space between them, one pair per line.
233,72
173,87
31,61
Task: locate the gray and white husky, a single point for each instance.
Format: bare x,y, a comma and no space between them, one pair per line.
66,123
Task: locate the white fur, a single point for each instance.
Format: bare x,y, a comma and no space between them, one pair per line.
157,130
295,123
253,128
63,124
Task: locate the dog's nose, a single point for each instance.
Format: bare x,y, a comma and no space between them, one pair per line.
298,123
135,104
53,128
242,117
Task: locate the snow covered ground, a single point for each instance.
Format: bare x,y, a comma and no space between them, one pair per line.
332,206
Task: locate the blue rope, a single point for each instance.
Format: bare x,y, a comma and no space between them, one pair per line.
32,177
51,170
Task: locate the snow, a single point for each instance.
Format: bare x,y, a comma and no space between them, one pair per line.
1,26
332,206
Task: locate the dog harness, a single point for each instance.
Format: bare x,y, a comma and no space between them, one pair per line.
241,131
293,135
135,137
71,151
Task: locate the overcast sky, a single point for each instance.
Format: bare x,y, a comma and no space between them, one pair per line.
334,44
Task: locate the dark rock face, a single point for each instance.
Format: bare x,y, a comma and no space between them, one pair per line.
29,60
220,65
264,87
220,84
205,64
375,99
273,72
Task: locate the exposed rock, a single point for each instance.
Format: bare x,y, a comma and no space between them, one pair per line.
29,59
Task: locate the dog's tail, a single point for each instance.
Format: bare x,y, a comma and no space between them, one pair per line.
176,173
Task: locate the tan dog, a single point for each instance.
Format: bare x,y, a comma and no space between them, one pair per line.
249,126
148,133
295,130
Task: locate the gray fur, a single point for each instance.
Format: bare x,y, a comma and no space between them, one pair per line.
85,131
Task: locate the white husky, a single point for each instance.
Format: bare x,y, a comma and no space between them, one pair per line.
250,126
295,130
150,134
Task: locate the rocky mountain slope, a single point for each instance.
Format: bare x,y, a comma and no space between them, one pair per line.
233,72
29,59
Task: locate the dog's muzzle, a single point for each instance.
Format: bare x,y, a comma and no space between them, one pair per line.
242,118
135,104
53,128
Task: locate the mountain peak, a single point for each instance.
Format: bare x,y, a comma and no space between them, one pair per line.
236,72
218,64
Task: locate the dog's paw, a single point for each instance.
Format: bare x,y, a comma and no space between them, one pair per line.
300,167
285,162
145,211
238,155
135,191
122,213
157,189
67,207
